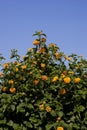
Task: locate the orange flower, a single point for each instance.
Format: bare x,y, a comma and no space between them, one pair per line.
60,128
55,79
1,74
44,77
48,109
11,81
36,81
42,49
67,80
12,90
4,89
62,91
77,80
35,42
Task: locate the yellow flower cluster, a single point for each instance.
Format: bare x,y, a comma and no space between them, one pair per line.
77,80
57,55
67,80
43,65
23,67
60,128
67,58
16,69
55,79
30,49
48,109
11,81
41,107
51,44
70,72
6,65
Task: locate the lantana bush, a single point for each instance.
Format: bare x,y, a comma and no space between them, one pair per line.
43,90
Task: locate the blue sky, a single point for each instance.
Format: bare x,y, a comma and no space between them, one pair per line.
63,21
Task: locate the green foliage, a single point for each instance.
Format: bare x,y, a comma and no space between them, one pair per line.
45,90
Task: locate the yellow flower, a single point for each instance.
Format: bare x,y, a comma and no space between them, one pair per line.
18,64
62,75
30,72
44,102
6,65
60,128
70,72
55,79
77,80
11,81
34,62
36,42
43,65
48,109
30,49
23,94
67,58
23,67
12,90
41,107
57,55
16,69
58,119
4,89
67,80
51,44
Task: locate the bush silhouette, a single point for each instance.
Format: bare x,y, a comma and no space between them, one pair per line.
45,90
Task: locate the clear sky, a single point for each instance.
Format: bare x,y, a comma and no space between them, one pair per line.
63,21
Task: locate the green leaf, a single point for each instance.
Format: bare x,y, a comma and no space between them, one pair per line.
49,126
12,107
28,124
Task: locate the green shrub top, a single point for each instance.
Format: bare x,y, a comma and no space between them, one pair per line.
45,90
